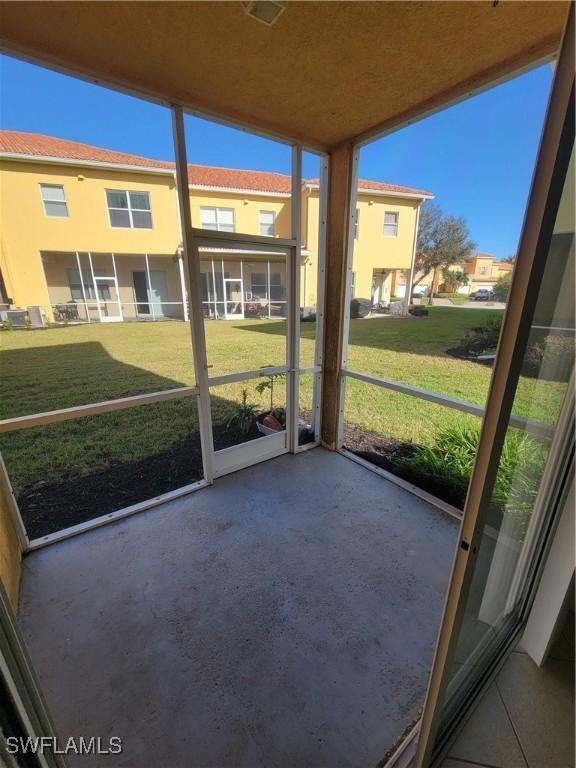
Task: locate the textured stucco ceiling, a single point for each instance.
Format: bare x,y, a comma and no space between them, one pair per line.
326,72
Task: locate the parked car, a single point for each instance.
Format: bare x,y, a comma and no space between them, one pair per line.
484,294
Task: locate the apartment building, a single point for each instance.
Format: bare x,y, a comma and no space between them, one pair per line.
93,235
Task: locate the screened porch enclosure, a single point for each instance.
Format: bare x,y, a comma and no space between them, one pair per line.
251,285
112,287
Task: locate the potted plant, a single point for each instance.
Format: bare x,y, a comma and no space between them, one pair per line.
274,419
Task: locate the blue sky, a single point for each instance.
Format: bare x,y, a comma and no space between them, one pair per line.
476,157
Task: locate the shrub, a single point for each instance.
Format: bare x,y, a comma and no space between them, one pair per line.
449,463
481,339
502,287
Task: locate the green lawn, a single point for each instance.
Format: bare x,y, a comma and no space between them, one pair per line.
64,367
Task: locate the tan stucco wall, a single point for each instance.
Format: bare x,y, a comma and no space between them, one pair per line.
10,553
29,239
375,250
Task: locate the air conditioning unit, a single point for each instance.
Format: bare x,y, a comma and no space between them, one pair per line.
18,317
37,317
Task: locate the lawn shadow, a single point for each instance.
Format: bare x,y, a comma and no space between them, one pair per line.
69,472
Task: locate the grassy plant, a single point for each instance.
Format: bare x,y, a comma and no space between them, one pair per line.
244,415
450,460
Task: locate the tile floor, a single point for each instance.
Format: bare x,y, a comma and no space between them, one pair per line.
526,718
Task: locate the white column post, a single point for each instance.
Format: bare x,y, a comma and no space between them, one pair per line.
320,291
180,258
410,280
268,287
149,283
196,321
82,287
293,338
95,286
242,284
214,291
117,286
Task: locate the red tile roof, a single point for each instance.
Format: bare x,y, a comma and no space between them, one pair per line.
380,186
39,145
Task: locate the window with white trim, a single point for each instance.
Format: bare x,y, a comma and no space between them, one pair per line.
54,200
219,219
129,210
267,223
483,270
390,223
357,224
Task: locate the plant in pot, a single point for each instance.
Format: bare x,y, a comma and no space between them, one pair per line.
274,419
244,416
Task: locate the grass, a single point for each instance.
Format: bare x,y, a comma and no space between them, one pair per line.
64,367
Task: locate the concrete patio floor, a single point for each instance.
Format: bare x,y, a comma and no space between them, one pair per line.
284,617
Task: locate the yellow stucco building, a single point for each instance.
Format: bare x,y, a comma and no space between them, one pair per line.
90,234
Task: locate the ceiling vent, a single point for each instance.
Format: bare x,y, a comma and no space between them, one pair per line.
266,11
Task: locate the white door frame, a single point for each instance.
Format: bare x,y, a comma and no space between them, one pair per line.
556,147
234,315
114,277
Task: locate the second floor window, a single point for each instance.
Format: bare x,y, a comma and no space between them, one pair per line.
54,200
483,270
267,223
391,223
129,209
219,219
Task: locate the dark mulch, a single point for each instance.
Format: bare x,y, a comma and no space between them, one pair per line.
460,355
47,507
389,453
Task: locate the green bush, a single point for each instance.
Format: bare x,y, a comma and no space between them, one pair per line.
502,287
480,339
449,463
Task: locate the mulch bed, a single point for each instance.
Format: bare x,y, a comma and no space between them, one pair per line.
387,452
460,355
47,507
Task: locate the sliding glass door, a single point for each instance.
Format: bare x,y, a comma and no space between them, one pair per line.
521,472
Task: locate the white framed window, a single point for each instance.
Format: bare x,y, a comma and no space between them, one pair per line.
267,223
483,270
357,224
129,210
353,286
219,219
390,223
54,200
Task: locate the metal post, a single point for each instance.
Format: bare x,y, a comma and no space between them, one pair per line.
320,291
408,296
268,288
183,286
82,287
242,284
196,321
95,286
117,287
214,292
149,281
293,339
